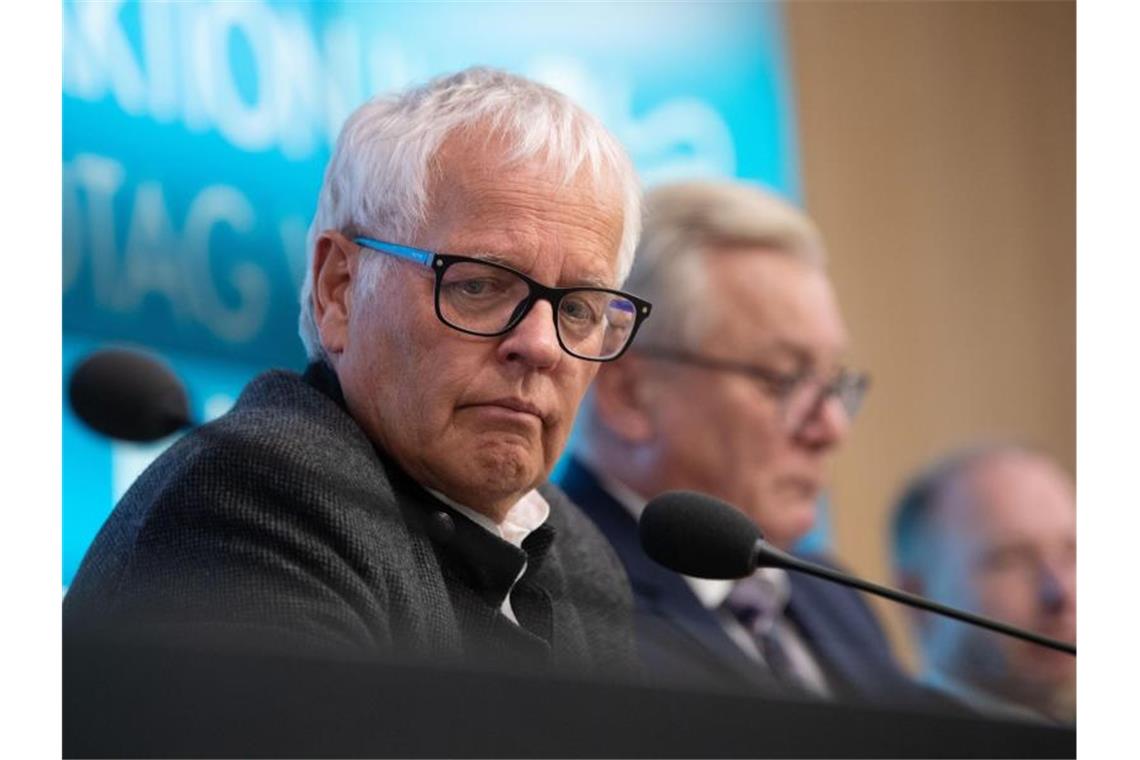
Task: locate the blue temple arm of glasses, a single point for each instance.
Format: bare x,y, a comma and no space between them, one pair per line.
404,252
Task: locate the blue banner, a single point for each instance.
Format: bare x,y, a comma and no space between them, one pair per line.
195,136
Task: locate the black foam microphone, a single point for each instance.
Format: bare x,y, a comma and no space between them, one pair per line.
701,536
128,395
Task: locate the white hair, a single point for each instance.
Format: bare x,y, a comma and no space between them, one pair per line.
376,182
682,221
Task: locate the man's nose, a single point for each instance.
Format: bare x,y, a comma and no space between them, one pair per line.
826,424
534,340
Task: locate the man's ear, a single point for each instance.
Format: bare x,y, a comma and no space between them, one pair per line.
622,399
334,268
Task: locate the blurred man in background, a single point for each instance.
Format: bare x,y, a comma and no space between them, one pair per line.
737,389
993,530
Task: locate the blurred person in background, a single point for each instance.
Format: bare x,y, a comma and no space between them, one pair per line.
736,388
992,529
460,297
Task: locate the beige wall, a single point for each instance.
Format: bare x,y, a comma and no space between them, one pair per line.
937,145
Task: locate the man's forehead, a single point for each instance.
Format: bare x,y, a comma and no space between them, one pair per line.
772,302
1010,494
518,213
482,156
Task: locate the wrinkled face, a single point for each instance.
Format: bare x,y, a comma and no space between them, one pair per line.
723,433
1007,549
479,419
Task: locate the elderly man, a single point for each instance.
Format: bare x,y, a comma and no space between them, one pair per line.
993,530
736,388
459,299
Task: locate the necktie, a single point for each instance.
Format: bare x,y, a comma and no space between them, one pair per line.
758,610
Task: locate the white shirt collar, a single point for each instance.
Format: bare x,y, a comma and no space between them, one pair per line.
522,519
710,591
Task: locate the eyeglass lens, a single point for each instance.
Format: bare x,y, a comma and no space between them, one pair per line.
806,398
487,300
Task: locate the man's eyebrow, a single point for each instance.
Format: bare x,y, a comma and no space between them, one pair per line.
591,280
491,258
782,345
801,353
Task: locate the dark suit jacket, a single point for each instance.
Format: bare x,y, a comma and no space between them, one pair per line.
680,640
279,525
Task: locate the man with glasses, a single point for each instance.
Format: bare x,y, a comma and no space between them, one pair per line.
736,388
460,296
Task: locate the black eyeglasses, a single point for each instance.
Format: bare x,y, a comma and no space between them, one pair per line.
484,298
799,394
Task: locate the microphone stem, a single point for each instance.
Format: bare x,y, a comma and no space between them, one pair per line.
771,556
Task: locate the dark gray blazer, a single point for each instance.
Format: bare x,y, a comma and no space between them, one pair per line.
279,525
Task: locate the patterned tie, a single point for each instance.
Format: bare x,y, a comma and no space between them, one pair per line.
758,609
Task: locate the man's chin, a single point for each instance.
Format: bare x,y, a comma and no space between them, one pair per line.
784,521
503,470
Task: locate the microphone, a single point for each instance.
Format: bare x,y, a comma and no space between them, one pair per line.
701,536
128,395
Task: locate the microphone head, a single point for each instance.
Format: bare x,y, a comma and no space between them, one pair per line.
698,535
128,395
